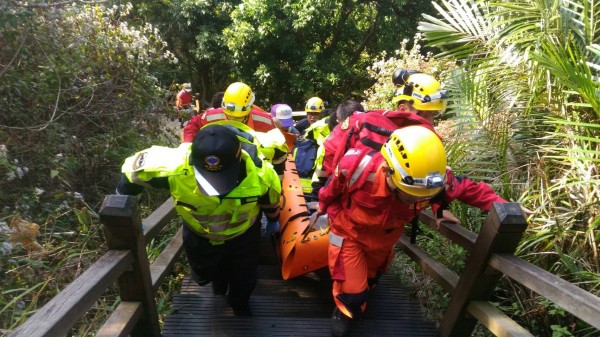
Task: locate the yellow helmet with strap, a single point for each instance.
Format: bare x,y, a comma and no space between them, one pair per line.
417,160
237,100
314,104
423,91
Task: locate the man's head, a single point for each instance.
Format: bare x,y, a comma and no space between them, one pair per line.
237,101
347,108
217,99
419,93
283,113
313,108
217,159
187,86
416,159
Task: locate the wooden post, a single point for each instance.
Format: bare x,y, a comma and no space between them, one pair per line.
123,230
501,233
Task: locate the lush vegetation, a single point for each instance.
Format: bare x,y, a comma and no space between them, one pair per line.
286,50
524,115
84,86
79,95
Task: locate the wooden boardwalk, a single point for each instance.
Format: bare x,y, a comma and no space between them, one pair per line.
297,307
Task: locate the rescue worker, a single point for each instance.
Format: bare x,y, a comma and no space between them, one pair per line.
306,163
216,100
282,113
237,109
370,198
237,105
343,111
219,189
419,93
282,116
183,102
314,107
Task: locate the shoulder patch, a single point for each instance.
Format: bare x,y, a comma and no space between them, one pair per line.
139,160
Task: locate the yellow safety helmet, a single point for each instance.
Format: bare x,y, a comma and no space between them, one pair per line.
237,100
314,104
417,160
423,91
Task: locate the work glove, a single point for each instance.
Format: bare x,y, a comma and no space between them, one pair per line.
272,227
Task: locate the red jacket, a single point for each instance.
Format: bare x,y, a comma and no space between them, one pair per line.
257,120
184,99
368,212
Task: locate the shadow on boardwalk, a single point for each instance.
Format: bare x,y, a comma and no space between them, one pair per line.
297,307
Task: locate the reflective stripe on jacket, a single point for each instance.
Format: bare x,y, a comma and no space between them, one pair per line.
214,218
266,142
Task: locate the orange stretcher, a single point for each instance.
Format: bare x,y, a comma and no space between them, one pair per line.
301,246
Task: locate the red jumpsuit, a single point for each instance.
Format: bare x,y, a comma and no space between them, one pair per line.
258,120
367,220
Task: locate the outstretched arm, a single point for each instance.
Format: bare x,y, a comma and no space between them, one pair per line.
125,186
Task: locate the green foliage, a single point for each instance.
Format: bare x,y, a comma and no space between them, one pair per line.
193,31
291,50
408,56
524,113
77,95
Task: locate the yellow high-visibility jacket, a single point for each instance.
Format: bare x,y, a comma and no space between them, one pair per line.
215,218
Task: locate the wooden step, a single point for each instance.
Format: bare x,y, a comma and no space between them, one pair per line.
297,307
290,326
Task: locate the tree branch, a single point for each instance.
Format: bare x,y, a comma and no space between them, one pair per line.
368,37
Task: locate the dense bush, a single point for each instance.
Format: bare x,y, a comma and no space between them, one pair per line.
77,96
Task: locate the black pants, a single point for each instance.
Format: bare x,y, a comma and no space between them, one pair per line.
233,263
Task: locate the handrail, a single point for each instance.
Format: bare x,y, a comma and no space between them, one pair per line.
126,262
77,297
491,256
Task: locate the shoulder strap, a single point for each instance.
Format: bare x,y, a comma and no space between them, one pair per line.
356,177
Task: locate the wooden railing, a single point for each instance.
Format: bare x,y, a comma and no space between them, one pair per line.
491,255
126,262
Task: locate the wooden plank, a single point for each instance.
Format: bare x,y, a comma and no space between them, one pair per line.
297,307
301,288
496,321
444,276
386,301
120,215
121,321
61,312
156,221
293,326
455,232
501,233
568,296
162,266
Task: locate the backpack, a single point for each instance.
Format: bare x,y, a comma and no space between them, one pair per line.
305,154
370,129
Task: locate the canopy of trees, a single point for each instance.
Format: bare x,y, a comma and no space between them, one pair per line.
286,50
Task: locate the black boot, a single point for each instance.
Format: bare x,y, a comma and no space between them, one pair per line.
219,288
339,323
242,310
